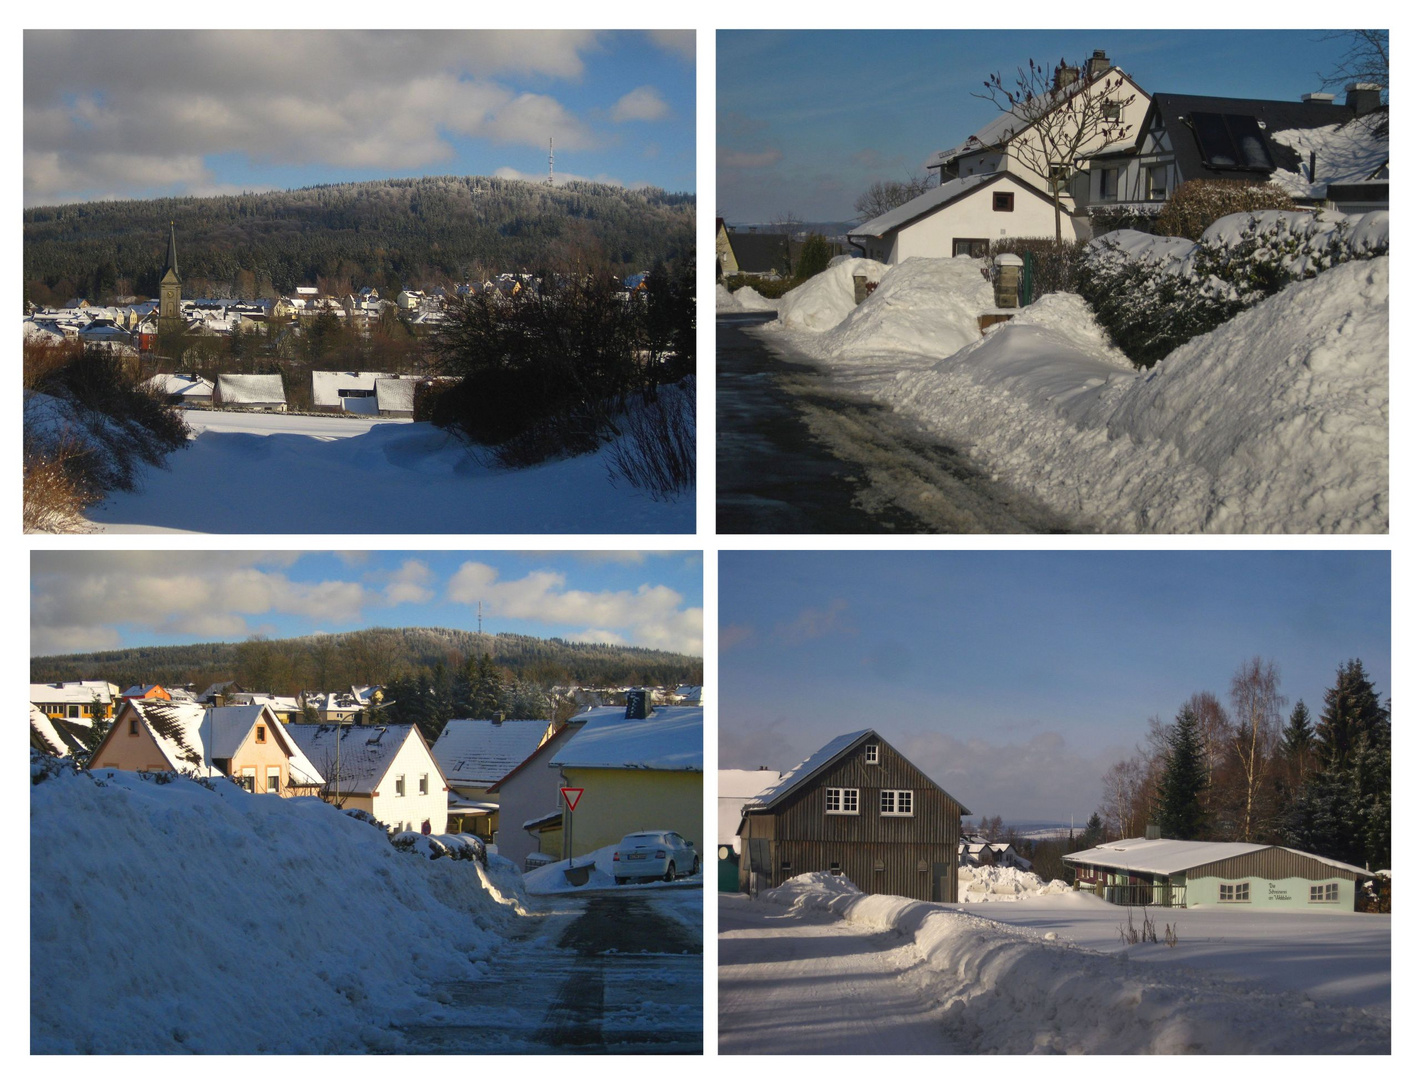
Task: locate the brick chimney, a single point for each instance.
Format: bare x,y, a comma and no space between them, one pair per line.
1363,98
1098,64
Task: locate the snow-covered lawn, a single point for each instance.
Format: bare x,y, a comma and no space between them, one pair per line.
169,918
1049,975
1276,421
276,473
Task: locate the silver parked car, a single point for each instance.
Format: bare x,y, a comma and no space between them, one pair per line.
657,854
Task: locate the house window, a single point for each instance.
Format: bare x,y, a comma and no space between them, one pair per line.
248,779
873,754
423,784
1111,110
133,727
973,247
843,800
1004,201
836,868
785,866
398,786
273,779
1324,894
1156,182
1238,893
897,803
1107,184
260,732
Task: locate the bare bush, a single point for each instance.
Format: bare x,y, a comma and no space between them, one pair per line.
55,495
656,450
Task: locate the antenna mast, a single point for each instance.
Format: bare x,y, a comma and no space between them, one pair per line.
551,162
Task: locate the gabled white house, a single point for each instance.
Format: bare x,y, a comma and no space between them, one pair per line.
184,389
386,770
346,391
258,393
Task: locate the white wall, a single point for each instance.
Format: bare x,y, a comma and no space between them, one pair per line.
974,217
413,760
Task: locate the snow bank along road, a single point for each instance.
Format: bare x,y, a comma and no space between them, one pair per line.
804,968
275,473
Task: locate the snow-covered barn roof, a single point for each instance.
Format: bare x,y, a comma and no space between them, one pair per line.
805,769
1175,856
479,752
251,389
326,385
671,738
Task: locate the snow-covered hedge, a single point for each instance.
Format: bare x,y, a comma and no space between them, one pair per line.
1153,294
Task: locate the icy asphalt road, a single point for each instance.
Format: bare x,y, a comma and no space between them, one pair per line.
802,451
617,972
810,983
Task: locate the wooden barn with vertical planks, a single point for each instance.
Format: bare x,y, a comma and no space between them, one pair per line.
859,808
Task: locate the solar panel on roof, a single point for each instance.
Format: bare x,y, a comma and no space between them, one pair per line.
1231,141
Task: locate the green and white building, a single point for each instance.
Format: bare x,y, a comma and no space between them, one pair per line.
1194,873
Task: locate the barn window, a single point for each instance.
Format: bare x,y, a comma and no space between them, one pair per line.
1324,894
1237,893
836,868
897,803
873,754
843,800
1004,201
786,865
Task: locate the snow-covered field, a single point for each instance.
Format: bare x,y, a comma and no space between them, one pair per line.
169,918
276,473
1276,421
1049,974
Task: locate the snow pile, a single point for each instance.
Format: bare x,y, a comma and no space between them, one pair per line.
822,301
978,883
815,890
745,298
1010,991
192,920
921,306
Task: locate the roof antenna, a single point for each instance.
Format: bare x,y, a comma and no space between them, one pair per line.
551,163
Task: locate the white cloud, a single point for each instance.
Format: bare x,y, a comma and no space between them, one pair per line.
409,584
679,42
642,103
652,615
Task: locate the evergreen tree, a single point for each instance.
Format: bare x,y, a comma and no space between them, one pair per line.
1351,709
1092,835
1298,737
1179,810
813,257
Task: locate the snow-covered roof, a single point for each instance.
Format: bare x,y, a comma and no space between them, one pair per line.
72,693
251,389
395,395
326,385
479,752
181,385
50,736
670,738
807,768
190,737
365,752
735,787
1175,856
922,204
1350,153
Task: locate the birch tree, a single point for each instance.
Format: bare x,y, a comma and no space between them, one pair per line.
1257,704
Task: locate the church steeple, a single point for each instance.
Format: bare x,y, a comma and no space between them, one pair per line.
169,289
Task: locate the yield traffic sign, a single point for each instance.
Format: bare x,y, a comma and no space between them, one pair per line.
572,795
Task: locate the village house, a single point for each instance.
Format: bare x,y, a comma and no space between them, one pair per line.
1194,873
80,701
859,808
146,692
752,253
474,755
346,391
639,767
978,851
244,742
386,770
735,788
189,391
55,736
529,804
990,187
253,393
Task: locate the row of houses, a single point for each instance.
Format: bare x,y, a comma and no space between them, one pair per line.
858,808
639,767
366,393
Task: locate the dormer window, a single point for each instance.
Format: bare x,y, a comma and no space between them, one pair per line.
873,754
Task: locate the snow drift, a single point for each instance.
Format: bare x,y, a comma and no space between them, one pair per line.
988,883
821,302
1012,991
745,298
169,918
922,305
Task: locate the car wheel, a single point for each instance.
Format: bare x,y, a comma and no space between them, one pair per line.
669,872
621,880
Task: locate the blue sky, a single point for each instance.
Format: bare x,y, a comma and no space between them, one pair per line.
138,114
808,119
88,600
1014,679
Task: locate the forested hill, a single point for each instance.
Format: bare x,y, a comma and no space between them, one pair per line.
389,234
335,661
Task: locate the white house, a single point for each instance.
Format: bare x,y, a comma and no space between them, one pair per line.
386,770
184,389
346,391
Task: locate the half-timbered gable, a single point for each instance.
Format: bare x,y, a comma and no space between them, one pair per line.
860,808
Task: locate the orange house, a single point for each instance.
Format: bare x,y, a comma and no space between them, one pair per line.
146,693
245,742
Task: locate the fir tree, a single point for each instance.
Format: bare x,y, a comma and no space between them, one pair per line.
1179,810
1297,739
1351,709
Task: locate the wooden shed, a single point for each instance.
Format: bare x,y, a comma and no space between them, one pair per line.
856,807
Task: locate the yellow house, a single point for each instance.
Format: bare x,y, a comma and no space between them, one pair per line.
636,772
245,742
78,702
